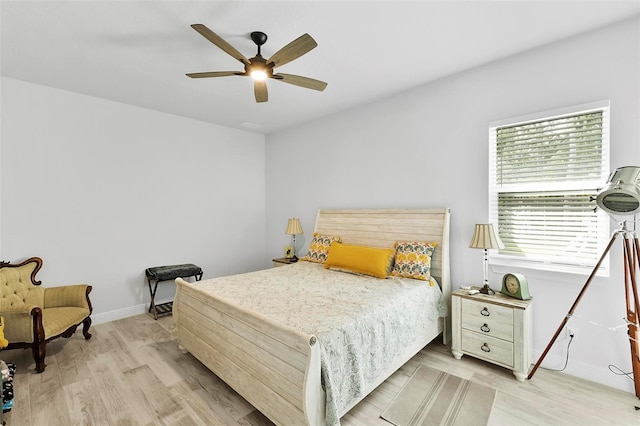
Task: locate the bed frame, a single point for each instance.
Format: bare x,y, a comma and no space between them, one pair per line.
277,368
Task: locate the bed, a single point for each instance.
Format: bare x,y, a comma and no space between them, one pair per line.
283,351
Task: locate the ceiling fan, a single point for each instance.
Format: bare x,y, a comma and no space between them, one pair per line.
259,68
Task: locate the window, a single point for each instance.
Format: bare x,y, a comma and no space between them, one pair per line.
544,173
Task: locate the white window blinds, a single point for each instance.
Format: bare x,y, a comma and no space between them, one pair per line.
544,174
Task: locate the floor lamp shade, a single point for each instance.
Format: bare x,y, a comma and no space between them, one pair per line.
621,195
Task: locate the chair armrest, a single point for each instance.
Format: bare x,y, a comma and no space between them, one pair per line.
68,295
19,309
22,323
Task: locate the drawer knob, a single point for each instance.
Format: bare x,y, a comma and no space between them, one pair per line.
485,312
485,347
485,328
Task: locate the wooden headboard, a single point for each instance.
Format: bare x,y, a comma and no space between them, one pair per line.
383,227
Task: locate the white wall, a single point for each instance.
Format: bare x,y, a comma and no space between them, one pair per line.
429,147
102,190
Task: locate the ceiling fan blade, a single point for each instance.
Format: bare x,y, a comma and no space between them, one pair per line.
298,80
293,50
220,42
260,90
212,74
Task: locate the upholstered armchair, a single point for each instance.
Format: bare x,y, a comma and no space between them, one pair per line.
35,315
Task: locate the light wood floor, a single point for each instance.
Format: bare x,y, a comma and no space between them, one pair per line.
132,373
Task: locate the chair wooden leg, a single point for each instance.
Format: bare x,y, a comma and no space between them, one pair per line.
85,328
69,332
39,352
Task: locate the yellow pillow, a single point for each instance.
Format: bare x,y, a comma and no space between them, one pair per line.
360,259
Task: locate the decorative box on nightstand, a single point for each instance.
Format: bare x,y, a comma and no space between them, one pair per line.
496,328
282,261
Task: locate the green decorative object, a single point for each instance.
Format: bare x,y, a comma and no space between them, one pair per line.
515,285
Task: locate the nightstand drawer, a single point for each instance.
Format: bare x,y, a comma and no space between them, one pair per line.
487,319
488,348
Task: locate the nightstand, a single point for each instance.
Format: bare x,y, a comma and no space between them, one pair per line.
496,328
281,261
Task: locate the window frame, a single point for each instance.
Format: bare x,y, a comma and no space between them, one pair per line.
502,261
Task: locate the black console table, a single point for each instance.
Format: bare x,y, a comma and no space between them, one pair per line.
168,273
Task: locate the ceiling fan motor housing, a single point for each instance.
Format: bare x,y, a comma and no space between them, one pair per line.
258,63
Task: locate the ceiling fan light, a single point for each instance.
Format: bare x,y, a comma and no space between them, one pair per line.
258,75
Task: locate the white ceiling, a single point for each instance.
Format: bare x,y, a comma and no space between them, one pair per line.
137,52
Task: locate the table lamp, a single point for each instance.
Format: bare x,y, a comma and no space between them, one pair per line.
485,237
294,228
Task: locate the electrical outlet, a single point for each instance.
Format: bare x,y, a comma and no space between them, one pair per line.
572,332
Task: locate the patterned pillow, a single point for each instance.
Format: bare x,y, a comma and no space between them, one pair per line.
319,248
413,259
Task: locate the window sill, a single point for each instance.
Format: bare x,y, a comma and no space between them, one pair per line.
502,265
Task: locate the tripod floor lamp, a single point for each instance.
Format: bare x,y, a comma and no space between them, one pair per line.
620,197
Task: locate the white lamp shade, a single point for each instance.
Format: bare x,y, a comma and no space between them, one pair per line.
621,196
294,227
485,237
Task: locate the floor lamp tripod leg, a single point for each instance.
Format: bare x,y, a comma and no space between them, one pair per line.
632,261
634,265
575,305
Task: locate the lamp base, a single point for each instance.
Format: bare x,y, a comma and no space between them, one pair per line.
293,259
487,290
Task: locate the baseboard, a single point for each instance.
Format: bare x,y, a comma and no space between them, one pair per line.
122,313
589,372
118,314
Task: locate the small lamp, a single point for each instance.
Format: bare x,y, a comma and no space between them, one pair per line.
485,237
294,228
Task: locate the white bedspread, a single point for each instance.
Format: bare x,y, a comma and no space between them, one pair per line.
362,323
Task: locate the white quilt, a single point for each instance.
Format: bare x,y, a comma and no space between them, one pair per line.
362,323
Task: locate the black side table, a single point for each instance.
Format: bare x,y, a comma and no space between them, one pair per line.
168,273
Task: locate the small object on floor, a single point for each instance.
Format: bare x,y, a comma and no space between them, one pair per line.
4,371
7,386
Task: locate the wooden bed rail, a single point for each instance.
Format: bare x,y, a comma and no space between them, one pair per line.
239,346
